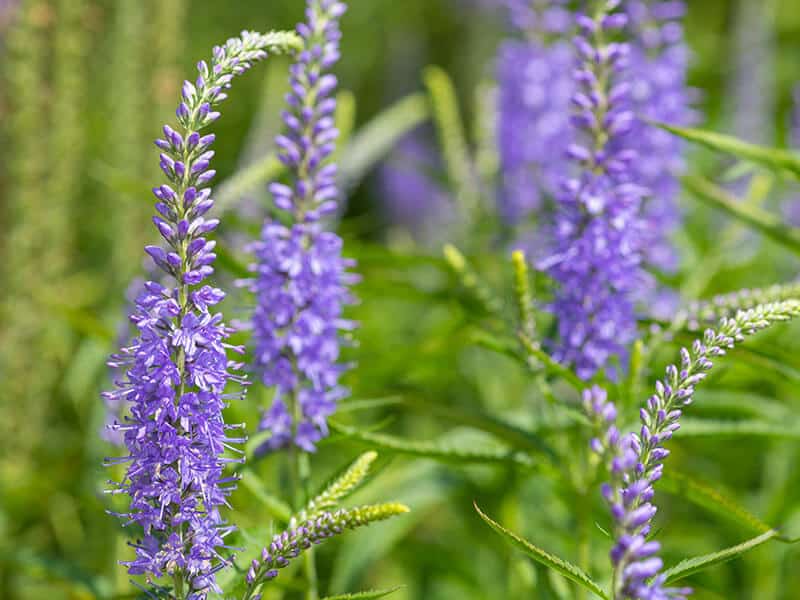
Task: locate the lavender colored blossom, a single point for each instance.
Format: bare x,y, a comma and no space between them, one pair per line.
635,460
176,368
597,257
659,92
533,129
301,278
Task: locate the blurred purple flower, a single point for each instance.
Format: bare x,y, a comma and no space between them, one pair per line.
659,92
534,131
410,195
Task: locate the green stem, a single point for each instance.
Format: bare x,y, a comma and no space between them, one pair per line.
300,468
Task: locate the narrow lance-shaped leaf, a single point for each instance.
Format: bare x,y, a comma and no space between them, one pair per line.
704,496
767,223
432,450
368,595
568,570
771,158
688,567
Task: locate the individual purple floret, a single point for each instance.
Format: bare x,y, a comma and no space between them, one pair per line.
176,368
659,92
301,280
597,255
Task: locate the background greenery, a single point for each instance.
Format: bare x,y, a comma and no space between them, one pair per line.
87,84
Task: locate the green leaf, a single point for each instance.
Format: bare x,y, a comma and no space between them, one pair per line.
693,427
559,565
374,141
436,451
512,435
712,500
690,566
771,158
275,506
767,223
364,595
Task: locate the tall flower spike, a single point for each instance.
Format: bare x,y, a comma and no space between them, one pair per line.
596,260
301,278
176,369
635,460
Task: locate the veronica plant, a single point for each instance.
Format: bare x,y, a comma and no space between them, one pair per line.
176,368
301,280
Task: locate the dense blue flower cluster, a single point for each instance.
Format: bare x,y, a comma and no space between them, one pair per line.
301,280
596,260
176,368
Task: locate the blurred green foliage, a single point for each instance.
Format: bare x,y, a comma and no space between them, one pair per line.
86,85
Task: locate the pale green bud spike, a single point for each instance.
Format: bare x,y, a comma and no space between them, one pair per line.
452,137
339,488
522,295
470,280
298,539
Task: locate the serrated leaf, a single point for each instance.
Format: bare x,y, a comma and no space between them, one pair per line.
750,428
712,500
514,436
765,222
374,141
432,450
369,595
771,158
568,570
688,567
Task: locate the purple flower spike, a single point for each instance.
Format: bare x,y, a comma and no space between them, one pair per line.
301,280
597,256
176,367
636,460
